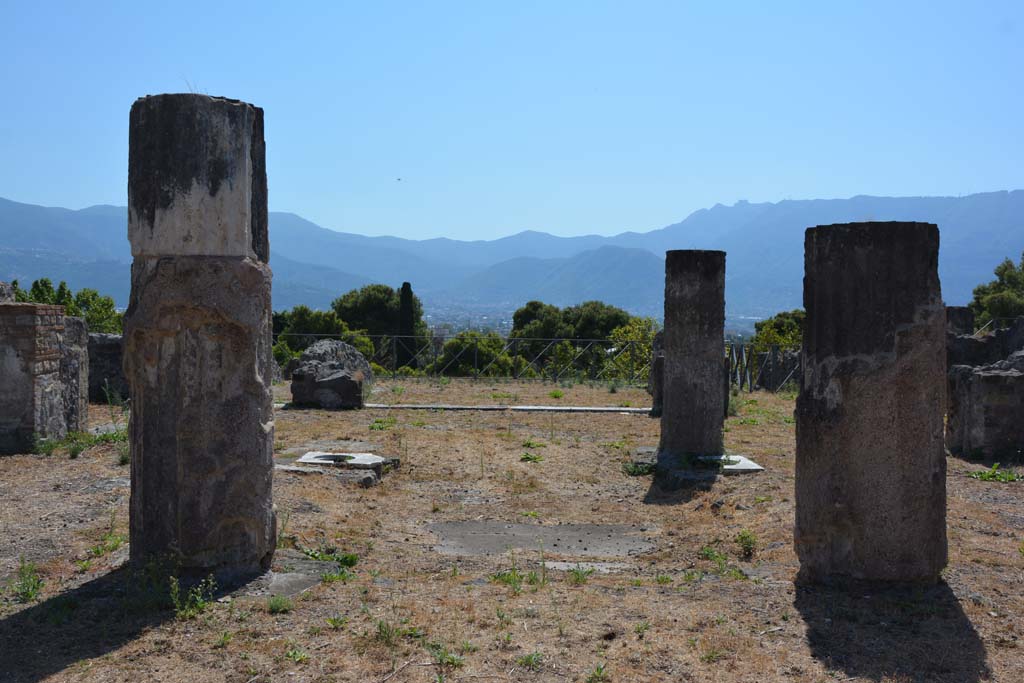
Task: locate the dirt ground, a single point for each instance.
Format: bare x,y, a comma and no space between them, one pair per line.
691,609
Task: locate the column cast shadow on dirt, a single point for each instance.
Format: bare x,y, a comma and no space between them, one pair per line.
914,634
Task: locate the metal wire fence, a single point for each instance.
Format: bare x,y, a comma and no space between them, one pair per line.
481,355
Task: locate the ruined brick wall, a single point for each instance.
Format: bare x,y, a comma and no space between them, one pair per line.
31,394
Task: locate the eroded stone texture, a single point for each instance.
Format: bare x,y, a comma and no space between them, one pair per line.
74,373
331,374
959,320
106,369
31,393
6,293
870,465
197,341
965,349
197,180
694,391
986,410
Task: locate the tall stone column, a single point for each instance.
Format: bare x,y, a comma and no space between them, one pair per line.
870,466
693,390
197,337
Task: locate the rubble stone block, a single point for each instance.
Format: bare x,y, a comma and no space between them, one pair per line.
870,464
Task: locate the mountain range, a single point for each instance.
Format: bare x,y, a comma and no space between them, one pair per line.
460,280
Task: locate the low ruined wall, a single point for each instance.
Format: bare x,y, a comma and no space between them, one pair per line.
986,410
31,394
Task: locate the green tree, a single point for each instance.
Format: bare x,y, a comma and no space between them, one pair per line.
303,326
100,312
406,348
375,308
631,352
1002,297
469,352
594,319
785,330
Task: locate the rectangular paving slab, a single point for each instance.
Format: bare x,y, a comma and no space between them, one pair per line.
570,540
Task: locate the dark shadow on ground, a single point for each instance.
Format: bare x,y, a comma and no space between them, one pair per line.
905,633
94,619
674,493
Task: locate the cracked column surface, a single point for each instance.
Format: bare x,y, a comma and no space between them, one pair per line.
870,464
197,336
693,392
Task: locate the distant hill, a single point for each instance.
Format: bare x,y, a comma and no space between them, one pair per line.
313,265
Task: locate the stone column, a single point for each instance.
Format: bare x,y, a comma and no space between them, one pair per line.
197,347
6,293
31,392
870,466
694,342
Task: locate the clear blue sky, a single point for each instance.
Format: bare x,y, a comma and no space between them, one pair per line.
568,117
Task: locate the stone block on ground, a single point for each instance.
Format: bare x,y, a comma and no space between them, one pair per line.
331,374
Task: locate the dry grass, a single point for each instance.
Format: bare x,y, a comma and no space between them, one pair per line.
674,614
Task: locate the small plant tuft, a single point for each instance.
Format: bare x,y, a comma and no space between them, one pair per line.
747,542
27,583
995,474
279,604
578,575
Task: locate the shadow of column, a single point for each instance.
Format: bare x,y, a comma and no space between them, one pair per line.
92,620
914,634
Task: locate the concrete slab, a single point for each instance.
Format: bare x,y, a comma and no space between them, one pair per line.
569,540
514,409
597,567
299,470
353,461
728,464
292,573
331,446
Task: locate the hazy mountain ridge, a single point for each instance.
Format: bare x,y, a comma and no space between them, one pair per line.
312,264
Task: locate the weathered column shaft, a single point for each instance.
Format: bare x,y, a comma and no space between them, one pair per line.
693,390
197,345
870,466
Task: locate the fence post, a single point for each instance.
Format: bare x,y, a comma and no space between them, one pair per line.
515,357
394,357
632,362
476,359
